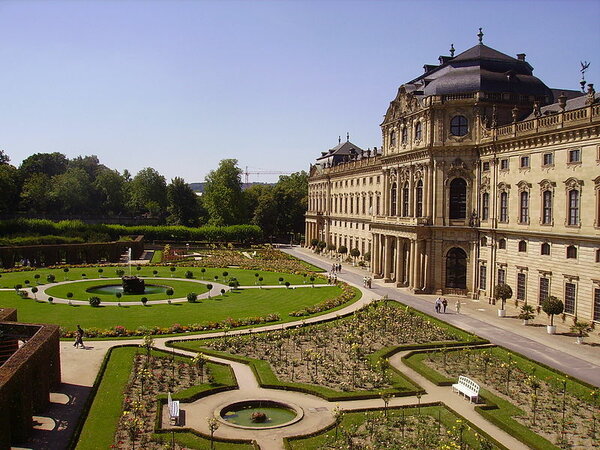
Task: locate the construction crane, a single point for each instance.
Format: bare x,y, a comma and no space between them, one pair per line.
247,173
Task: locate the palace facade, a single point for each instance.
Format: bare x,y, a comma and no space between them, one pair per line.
485,176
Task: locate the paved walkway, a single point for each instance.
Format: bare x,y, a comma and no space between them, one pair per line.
80,367
558,351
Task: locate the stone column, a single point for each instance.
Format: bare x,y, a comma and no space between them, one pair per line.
426,268
475,272
411,264
426,203
386,258
399,260
375,255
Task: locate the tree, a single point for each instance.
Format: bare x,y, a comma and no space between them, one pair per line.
72,190
291,193
49,163
342,249
355,253
90,164
36,193
222,196
261,203
110,188
9,187
148,192
553,306
182,202
503,292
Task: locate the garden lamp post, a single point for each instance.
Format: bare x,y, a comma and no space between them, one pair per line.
129,259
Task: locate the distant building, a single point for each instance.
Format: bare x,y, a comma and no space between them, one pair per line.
485,176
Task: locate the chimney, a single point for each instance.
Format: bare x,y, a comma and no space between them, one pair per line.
521,56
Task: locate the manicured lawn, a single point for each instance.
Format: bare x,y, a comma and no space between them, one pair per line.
244,276
79,290
238,304
101,423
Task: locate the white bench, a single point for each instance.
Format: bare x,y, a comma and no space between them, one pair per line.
467,387
173,406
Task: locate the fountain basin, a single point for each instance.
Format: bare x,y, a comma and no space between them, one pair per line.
112,289
259,414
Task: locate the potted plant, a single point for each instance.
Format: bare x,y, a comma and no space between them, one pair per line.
552,306
582,329
527,313
503,292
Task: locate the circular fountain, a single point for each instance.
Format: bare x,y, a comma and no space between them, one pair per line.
111,289
262,414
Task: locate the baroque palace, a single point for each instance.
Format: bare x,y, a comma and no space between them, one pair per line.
485,176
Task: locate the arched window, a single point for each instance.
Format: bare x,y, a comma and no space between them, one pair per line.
404,135
571,252
524,207
503,216
459,126
485,206
419,199
405,193
393,199
418,131
458,199
393,138
545,249
456,268
502,244
573,217
522,246
547,208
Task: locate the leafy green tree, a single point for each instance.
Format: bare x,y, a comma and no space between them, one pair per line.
110,188
36,194
262,207
49,163
9,187
148,192
91,165
72,190
291,192
183,205
222,196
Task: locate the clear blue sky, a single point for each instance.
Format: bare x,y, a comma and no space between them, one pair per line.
180,85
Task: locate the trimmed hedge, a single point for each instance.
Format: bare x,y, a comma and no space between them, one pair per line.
233,233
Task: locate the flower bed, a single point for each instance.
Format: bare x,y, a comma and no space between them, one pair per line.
338,355
347,294
120,331
425,427
560,410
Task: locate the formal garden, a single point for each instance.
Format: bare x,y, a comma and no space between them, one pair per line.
548,407
181,296
339,360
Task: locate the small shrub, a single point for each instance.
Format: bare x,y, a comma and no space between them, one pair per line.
144,300
192,297
553,307
50,299
50,278
94,301
189,274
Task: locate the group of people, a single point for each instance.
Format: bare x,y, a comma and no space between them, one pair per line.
336,268
331,278
367,282
441,304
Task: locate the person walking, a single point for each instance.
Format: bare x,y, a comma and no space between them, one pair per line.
369,282
438,304
458,306
79,337
445,304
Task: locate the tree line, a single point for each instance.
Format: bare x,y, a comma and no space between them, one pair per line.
51,183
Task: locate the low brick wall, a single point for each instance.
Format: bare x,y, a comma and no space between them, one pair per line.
27,376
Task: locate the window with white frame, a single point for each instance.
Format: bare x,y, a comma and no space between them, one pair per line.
521,285
544,289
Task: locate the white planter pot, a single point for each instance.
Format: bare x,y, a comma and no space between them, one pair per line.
525,321
579,340
551,329
501,313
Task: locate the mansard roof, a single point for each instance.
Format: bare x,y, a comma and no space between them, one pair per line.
481,69
342,149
